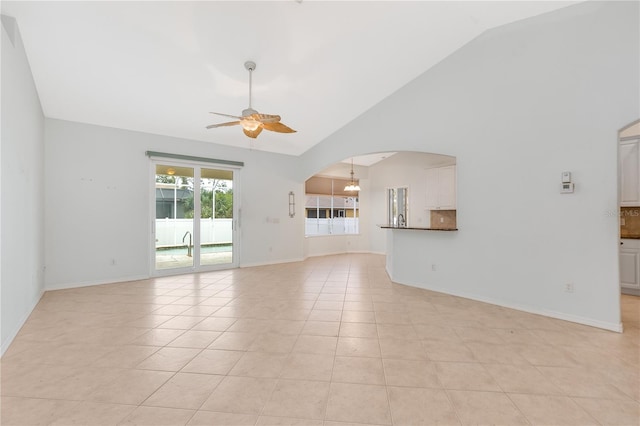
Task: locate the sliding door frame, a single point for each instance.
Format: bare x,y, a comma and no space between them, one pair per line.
197,171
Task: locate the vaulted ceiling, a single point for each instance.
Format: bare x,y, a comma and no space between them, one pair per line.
161,67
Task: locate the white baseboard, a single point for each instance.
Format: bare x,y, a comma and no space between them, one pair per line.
274,262
65,286
617,327
9,339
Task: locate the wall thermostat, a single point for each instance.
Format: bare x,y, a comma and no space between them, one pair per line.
567,188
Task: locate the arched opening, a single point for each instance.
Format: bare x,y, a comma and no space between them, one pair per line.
340,221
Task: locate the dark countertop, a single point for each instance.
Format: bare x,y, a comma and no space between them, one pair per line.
414,228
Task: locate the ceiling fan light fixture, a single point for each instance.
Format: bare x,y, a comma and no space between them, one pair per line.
250,124
251,121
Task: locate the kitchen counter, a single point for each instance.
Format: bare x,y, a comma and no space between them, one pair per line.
415,228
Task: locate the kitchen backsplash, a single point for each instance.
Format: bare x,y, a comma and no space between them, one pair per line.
631,227
443,219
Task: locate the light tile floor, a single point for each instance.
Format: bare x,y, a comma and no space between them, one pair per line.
327,341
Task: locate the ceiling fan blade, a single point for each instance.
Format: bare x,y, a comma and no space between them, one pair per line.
229,123
252,133
226,115
278,127
266,118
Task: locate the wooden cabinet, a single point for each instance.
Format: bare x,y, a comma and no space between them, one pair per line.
630,265
441,188
629,169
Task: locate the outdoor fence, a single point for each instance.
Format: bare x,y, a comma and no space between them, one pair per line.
170,232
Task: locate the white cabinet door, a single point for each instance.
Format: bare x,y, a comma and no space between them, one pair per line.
630,173
630,264
433,191
441,188
629,268
448,187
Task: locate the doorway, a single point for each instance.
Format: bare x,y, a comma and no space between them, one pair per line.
194,217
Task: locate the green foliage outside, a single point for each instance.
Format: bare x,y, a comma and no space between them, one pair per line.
223,197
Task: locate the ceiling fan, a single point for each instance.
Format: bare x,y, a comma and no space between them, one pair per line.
252,121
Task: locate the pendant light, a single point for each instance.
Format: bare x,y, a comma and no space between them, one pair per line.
352,186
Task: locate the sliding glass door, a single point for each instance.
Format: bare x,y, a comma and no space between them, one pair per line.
193,218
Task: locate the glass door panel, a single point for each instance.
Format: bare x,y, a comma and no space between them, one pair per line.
174,217
216,217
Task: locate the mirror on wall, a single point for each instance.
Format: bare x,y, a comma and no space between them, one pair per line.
397,207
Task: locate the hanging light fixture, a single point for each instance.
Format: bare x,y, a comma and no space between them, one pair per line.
352,186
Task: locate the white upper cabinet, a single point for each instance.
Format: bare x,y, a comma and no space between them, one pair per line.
630,173
441,188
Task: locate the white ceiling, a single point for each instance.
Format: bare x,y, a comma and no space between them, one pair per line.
160,67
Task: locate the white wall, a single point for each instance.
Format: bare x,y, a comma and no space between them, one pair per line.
101,175
22,183
517,106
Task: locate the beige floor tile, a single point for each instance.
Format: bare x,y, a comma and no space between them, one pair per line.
181,322
358,370
168,359
356,346
286,421
323,345
447,351
210,418
321,328
582,382
465,376
358,404
551,410
418,406
245,395
324,315
522,379
480,335
184,390
127,356
496,353
394,318
273,342
157,416
157,337
358,329
610,411
547,356
489,408
95,413
130,387
308,367
299,399
310,326
358,316
195,339
28,411
214,324
213,361
397,331
412,373
436,333
234,341
259,364
361,306
402,349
